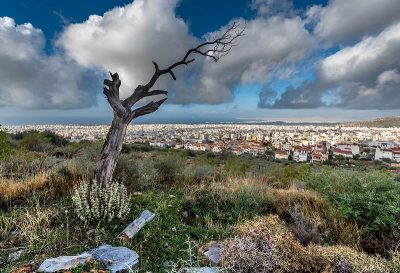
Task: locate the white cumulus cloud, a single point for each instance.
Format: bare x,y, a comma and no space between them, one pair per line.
31,79
362,76
344,20
126,40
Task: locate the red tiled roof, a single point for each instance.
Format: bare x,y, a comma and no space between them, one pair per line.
342,151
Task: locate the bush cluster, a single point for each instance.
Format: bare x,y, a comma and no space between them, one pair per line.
6,147
370,199
94,203
151,172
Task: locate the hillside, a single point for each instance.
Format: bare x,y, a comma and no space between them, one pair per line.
253,214
381,122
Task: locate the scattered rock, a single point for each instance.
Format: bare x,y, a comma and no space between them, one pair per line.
116,259
64,262
167,265
12,257
200,270
213,252
14,232
174,229
185,214
133,228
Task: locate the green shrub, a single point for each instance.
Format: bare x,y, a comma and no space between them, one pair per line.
208,158
6,147
228,202
314,219
160,172
73,171
22,164
94,203
129,148
54,139
169,170
148,175
370,199
127,171
89,151
35,141
202,173
235,165
84,163
69,150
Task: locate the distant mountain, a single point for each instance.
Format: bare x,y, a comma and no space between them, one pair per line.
380,122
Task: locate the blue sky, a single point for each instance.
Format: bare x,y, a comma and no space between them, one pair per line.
299,60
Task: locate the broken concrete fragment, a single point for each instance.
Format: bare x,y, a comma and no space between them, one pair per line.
64,263
133,228
147,215
213,252
116,259
199,270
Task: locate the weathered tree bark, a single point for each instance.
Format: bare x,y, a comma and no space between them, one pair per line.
111,149
123,112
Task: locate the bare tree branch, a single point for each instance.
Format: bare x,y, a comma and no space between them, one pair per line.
111,91
147,109
155,92
137,95
215,49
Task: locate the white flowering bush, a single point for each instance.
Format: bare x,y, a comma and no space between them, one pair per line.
94,203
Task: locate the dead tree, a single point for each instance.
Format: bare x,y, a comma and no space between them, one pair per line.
123,112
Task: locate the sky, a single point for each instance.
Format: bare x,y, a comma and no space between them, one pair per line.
298,60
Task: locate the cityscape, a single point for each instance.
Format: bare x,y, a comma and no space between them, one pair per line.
300,143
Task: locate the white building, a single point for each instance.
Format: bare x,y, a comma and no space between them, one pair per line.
392,154
381,154
355,149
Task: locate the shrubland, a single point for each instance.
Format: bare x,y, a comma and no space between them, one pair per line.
274,217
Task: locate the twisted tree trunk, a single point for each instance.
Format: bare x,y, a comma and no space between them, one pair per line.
111,150
123,115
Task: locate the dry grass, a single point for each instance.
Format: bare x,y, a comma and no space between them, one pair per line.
334,259
40,229
54,183
314,219
265,245
11,189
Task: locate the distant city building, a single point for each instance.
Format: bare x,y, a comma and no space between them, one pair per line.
281,155
306,143
392,154
347,153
